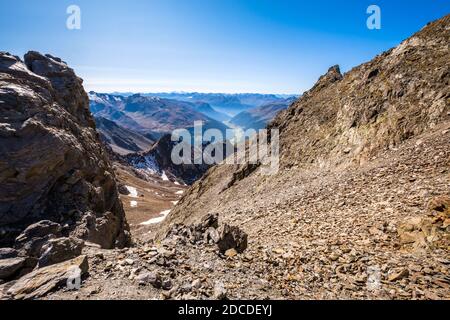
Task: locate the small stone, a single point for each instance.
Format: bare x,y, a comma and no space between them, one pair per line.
398,275
278,251
220,293
185,288
231,253
167,284
130,262
196,284
334,256
150,278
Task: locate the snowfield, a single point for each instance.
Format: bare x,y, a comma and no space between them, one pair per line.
133,191
157,219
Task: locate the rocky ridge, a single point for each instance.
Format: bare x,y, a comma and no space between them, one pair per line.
57,187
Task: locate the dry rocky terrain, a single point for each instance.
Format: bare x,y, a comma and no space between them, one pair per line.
360,208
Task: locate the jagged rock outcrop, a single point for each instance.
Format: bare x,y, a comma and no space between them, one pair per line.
55,177
158,160
378,105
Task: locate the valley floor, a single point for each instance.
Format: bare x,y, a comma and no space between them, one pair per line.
312,235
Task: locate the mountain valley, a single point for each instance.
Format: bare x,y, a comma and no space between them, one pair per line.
359,209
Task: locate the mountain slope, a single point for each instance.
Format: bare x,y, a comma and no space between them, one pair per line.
121,140
158,161
207,110
362,155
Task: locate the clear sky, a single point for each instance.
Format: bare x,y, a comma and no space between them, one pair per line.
272,46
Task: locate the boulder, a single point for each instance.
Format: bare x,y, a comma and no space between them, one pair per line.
9,267
104,230
42,281
231,237
31,240
59,250
6,253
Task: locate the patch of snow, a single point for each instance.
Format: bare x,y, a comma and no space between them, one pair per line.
147,163
133,204
164,176
174,202
179,192
133,191
157,219
176,182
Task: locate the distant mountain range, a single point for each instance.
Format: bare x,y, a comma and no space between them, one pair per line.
228,104
152,116
258,118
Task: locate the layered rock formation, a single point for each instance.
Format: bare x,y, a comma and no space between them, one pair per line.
52,165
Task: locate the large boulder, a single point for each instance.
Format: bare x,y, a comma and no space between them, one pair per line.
31,240
42,281
8,267
52,164
59,250
231,237
6,253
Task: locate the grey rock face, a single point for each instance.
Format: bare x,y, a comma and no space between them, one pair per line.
31,240
8,267
59,250
52,165
6,253
231,237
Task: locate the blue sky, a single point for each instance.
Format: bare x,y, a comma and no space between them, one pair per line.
272,46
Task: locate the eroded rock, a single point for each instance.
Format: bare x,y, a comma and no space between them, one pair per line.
41,281
52,164
232,237
59,250
8,267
